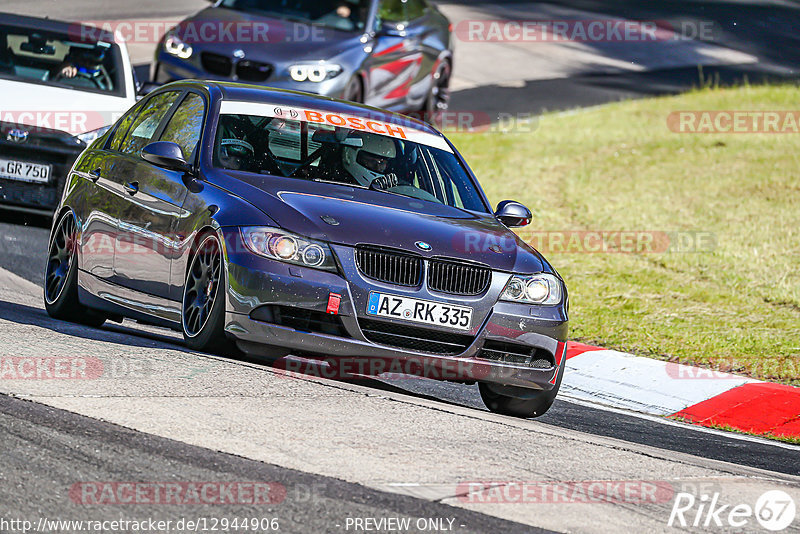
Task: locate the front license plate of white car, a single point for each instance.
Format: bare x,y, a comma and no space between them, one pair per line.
419,311
24,171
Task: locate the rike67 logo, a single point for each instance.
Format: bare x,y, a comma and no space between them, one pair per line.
774,511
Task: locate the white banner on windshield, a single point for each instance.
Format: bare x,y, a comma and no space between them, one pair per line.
363,123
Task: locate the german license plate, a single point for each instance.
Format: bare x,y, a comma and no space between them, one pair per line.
24,171
419,311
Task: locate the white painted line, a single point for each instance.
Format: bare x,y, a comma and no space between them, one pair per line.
640,384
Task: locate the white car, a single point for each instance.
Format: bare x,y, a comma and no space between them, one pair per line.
61,86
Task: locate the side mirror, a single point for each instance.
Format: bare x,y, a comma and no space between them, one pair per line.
147,87
166,155
513,214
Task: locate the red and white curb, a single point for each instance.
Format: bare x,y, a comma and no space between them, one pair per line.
700,396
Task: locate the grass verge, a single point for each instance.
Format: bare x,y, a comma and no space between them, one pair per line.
730,301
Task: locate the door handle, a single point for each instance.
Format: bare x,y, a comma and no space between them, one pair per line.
132,188
95,175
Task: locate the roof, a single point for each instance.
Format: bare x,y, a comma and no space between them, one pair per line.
261,94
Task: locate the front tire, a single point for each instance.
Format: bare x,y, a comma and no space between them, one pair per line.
354,92
535,404
438,100
61,277
203,308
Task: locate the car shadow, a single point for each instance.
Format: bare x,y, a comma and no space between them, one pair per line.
21,218
109,333
129,334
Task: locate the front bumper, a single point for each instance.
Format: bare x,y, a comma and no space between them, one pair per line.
256,284
40,198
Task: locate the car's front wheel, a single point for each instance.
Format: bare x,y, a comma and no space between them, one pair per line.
61,276
354,92
203,310
438,100
527,404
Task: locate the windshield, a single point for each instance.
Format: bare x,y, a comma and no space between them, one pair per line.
55,59
345,15
341,155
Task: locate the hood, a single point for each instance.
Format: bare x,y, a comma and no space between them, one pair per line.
58,108
364,217
281,40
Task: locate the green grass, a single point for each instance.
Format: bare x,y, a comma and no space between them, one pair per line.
733,307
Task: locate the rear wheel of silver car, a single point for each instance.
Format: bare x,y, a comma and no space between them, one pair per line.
61,276
203,309
533,404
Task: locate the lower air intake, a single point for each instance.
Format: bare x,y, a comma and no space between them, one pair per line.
516,354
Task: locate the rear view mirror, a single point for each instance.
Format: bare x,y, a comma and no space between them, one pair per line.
166,155
337,137
513,214
38,47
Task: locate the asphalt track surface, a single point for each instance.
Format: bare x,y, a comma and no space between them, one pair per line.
49,449
46,449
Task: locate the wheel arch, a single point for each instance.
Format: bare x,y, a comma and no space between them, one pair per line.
57,216
199,235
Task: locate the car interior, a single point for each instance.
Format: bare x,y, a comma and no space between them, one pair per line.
344,15
295,149
32,56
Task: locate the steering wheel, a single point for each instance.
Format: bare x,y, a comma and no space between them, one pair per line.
94,79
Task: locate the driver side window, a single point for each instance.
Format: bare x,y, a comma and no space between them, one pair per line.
123,126
186,125
146,123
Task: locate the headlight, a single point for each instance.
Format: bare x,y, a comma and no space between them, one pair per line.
88,137
283,246
544,289
176,47
314,73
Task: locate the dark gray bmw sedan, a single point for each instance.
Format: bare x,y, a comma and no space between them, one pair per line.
288,225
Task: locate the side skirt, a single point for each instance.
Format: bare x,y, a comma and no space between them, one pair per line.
101,295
